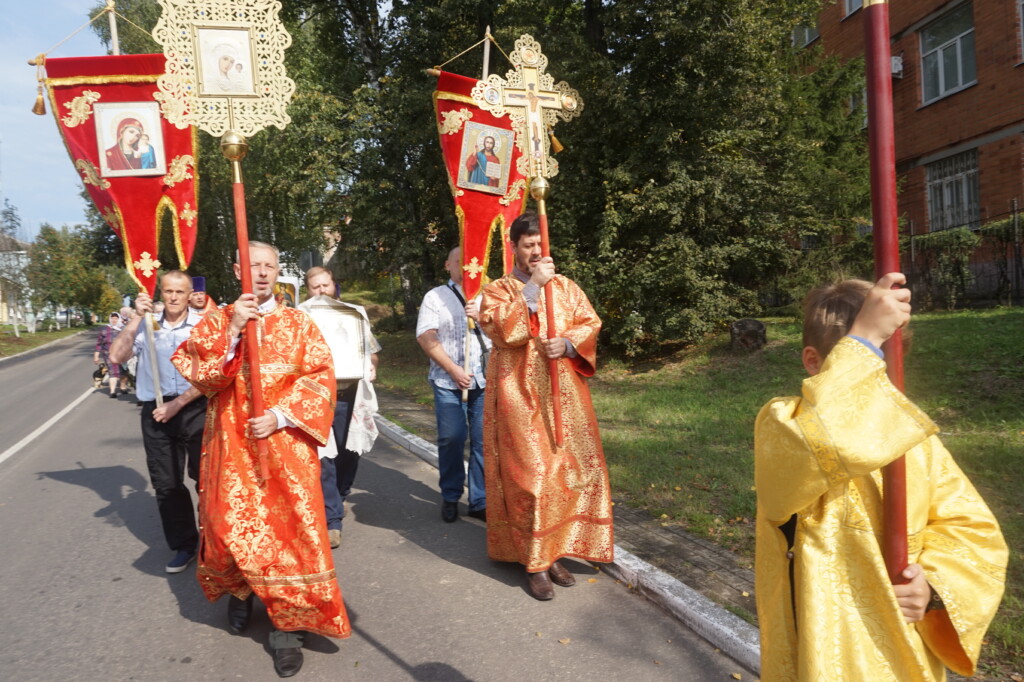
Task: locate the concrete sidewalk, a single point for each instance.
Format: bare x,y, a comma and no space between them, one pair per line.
697,582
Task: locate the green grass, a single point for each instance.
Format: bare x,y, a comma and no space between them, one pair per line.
12,345
678,432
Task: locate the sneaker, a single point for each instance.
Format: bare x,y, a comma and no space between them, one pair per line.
180,561
334,535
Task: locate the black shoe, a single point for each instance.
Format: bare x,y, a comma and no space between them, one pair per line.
478,514
449,511
180,561
287,662
239,611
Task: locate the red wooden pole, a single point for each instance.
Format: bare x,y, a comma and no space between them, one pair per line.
882,148
234,148
539,189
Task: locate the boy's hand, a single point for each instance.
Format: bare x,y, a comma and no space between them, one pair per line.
914,595
884,311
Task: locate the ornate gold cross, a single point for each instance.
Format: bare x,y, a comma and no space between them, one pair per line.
534,103
147,264
473,268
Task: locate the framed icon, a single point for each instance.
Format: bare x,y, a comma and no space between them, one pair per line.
225,62
130,139
486,157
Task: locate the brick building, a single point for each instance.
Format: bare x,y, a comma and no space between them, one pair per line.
958,103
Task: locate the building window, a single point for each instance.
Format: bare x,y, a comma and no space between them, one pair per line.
852,6
804,35
1020,16
947,54
953,192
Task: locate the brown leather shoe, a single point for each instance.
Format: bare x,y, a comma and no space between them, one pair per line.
561,575
540,585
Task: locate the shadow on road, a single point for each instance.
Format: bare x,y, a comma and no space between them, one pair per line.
390,499
431,671
129,505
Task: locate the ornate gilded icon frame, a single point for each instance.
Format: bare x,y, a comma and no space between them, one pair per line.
188,31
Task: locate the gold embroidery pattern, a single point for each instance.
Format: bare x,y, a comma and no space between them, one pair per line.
188,214
473,268
179,170
80,108
90,175
146,264
112,218
821,445
945,544
278,580
513,192
452,121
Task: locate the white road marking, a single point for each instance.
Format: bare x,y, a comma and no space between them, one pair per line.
13,450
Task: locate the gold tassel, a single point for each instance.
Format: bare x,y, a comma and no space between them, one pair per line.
39,108
556,146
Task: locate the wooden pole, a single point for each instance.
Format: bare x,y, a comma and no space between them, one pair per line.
882,148
539,190
465,356
469,320
234,147
487,53
154,366
115,43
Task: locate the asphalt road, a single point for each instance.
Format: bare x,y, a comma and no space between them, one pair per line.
84,595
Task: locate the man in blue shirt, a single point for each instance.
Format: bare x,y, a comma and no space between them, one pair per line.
441,332
172,433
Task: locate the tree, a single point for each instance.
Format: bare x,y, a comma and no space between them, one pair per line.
708,151
59,269
13,262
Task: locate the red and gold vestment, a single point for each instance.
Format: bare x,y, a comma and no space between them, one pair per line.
543,503
267,537
825,607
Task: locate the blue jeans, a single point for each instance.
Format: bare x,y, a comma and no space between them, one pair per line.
454,419
338,474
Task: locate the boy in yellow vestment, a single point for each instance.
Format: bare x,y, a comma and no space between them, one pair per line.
826,608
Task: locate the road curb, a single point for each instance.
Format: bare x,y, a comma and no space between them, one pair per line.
730,633
46,347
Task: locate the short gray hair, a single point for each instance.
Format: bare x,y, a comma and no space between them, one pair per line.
261,245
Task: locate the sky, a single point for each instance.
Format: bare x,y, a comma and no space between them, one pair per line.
36,174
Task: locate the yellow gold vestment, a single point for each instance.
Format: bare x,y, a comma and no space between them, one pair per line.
266,537
543,503
819,457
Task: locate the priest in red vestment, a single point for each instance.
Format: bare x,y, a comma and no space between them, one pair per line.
544,503
267,537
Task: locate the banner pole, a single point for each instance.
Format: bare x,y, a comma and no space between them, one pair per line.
539,190
234,147
154,366
884,216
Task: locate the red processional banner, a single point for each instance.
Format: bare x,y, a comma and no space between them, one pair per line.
134,163
484,173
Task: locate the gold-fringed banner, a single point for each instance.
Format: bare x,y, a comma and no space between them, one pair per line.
485,174
134,164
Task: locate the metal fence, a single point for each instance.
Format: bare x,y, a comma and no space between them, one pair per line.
944,272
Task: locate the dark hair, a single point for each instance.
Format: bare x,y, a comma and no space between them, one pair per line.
528,224
829,312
